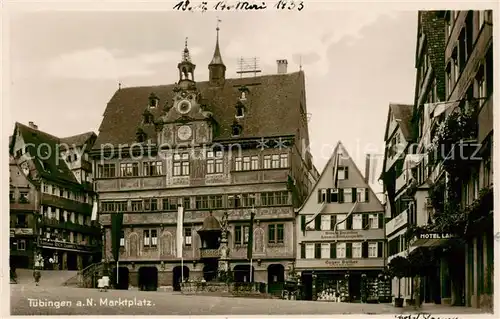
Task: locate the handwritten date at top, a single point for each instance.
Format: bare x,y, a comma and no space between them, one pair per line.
186,5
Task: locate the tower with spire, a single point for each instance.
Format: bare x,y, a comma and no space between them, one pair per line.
186,68
217,69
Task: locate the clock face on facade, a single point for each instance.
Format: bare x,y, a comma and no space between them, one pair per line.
25,168
184,132
184,107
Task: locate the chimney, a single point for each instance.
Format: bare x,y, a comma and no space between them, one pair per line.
367,169
282,65
32,125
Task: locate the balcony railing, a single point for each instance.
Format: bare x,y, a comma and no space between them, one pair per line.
209,253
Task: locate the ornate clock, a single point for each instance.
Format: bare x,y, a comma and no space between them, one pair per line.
184,107
184,132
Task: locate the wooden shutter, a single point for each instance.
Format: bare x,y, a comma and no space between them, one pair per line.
348,250
317,222
333,221
364,249
319,196
302,250
380,249
367,192
349,222
381,220
365,221
341,195
346,170
354,194
328,195
333,250
303,222
317,250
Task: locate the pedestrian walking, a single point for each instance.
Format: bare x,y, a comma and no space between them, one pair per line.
37,275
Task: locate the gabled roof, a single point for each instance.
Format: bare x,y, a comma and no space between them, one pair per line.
80,140
272,108
345,156
44,149
402,113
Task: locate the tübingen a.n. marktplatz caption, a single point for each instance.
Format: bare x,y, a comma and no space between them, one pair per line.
280,5
265,162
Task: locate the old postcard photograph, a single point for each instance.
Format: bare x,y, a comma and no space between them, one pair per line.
230,158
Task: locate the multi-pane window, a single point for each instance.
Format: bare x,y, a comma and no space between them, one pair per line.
325,222
238,164
325,250
481,83
214,162
234,201
215,201
151,204
23,197
187,236
186,202
284,160
122,239
373,221
248,200
361,194
129,169
21,220
181,164
254,162
276,233
309,251
275,161
341,223
241,234
201,202
152,168
21,244
46,188
274,198
372,250
267,161
107,170
357,221
108,206
348,195
150,238
343,173
136,205
309,222
246,163
341,248
170,203
356,250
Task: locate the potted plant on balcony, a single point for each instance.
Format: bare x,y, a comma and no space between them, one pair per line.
398,268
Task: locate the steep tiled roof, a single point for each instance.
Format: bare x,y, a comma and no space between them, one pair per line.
44,149
403,113
272,108
79,140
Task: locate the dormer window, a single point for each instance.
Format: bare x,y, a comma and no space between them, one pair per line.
236,129
153,100
243,93
147,117
240,110
141,136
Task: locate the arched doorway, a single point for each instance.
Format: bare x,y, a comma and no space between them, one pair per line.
210,269
148,278
242,273
179,273
275,278
123,278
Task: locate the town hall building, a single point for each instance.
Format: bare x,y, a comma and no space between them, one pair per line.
220,149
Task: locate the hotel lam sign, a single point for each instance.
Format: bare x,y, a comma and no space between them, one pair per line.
435,236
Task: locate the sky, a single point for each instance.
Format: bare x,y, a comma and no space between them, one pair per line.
65,66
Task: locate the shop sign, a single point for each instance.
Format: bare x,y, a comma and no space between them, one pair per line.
21,231
63,245
341,263
341,235
435,236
